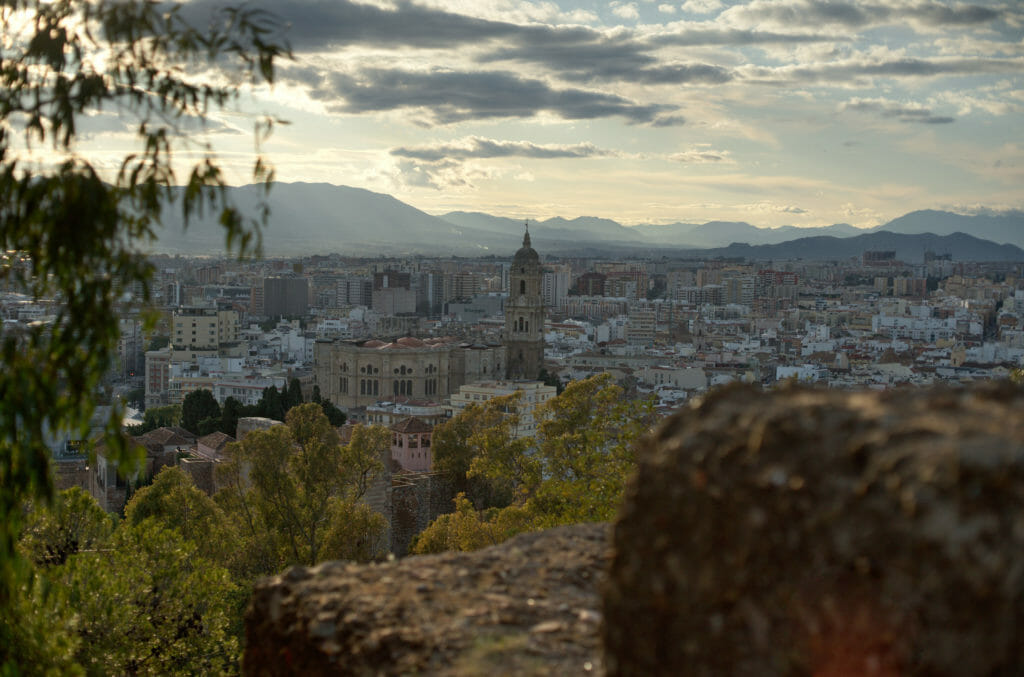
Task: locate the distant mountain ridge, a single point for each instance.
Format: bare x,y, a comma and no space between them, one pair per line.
317,217
909,248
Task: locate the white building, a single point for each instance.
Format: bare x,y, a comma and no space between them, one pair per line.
532,395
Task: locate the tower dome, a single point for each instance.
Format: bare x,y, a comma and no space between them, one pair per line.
526,255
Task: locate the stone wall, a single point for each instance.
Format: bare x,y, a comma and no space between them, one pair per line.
796,532
816,532
417,499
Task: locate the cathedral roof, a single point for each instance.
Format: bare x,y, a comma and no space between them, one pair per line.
526,253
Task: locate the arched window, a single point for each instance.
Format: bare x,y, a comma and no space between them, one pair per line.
526,326
522,286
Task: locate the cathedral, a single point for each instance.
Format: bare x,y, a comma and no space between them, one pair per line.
360,373
524,315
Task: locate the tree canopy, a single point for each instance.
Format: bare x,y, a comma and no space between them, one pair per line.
292,486
572,470
200,410
71,233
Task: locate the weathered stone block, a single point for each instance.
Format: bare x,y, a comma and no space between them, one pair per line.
528,606
811,532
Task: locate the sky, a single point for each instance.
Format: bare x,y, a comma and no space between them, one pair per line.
773,112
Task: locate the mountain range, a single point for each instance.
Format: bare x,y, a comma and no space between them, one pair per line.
319,218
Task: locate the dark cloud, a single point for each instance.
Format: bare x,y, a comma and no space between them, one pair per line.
608,60
319,24
476,147
855,15
890,109
456,96
668,121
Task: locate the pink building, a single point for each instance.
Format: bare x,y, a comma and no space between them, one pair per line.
410,444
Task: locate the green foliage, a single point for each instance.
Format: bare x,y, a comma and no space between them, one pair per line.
549,379
290,487
334,415
356,532
74,522
460,439
585,451
292,397
150,604
229,415
469,529
361,458
37,629
209,425
136,397
573,470
271,404
158,417
158,343
173,502
70,234
197,407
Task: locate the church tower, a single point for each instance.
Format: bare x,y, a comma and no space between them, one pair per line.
524,315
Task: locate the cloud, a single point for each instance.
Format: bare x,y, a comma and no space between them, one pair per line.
709,35
625,10
450,96
319,24
702,6
667,9
852,70
892,109
477,147
701,156
792,14
452,165
668,121
611,60
431,175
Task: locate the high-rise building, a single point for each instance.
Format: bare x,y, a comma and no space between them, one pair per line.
555,285
524,315
285,296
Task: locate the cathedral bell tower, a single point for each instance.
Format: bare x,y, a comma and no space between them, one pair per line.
524,315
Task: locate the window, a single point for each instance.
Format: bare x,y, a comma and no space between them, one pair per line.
522,286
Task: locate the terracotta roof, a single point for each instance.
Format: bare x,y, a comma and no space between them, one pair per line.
165,437
216,440
412,425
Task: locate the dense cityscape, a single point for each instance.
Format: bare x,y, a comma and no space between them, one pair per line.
701,352
388,340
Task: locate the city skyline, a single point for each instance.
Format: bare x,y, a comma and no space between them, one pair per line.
791,112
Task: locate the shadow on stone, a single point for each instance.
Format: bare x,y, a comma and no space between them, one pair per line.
814,532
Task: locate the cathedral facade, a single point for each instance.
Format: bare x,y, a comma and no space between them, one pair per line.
524,315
